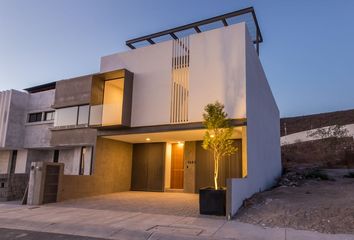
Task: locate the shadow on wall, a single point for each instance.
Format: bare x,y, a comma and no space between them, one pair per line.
224,63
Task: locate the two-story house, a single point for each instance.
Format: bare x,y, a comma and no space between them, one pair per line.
137,124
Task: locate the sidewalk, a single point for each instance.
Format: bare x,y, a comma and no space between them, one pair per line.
135,225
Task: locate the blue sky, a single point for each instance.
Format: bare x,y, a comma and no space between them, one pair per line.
307,54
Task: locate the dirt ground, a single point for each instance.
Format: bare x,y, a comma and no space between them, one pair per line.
319,205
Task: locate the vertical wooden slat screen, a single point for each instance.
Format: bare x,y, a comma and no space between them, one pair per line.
180,81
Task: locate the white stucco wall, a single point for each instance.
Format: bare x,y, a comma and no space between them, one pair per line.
263,133
151,66
217,71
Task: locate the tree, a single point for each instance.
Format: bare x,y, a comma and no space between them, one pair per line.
217,138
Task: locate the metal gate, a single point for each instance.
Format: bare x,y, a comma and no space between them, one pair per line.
51,184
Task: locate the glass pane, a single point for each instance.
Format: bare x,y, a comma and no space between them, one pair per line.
96,115
83,114
113,102
49,116
85,163
66,116
35,117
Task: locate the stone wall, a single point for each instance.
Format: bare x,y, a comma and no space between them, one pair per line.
304,123
112,169
12,187
328,153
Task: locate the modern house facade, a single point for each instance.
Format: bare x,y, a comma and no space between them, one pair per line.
137,124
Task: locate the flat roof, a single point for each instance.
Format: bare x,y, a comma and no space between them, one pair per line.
246,15
41,88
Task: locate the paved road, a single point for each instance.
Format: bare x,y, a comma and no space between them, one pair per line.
10,234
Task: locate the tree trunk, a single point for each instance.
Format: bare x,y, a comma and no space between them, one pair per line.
216,171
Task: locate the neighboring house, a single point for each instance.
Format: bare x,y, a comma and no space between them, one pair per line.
25,119
137,125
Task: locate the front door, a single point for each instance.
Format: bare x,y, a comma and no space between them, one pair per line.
177,166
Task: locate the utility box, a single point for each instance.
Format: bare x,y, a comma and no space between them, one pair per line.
45,183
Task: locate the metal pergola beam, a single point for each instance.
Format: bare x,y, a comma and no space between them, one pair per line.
196,26
197,29
173,36
150,41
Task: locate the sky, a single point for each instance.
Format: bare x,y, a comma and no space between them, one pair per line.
307,53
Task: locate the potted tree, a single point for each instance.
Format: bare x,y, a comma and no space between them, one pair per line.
217,139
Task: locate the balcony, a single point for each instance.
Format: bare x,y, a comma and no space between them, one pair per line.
99,100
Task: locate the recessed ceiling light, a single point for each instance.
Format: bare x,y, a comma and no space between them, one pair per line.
147,139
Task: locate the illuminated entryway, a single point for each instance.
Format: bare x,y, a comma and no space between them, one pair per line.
176,160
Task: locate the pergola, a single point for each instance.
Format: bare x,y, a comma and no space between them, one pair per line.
246,15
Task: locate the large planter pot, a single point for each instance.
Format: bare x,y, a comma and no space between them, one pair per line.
212,202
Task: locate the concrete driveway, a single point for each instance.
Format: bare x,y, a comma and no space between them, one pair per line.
166,203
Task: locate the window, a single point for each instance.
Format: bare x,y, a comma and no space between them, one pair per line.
13,161
113,102
35,117
72,116
49,116
86,161
66,116
56,156
83,115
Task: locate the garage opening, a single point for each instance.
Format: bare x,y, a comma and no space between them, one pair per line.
175,161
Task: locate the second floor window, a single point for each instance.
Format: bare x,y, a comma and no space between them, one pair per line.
35,117
49,116
72,116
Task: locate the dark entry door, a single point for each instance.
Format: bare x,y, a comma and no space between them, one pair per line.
177,166
229,167
51,184
148,167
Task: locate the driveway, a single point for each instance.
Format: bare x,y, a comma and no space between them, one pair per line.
166,203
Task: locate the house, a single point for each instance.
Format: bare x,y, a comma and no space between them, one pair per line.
137,124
